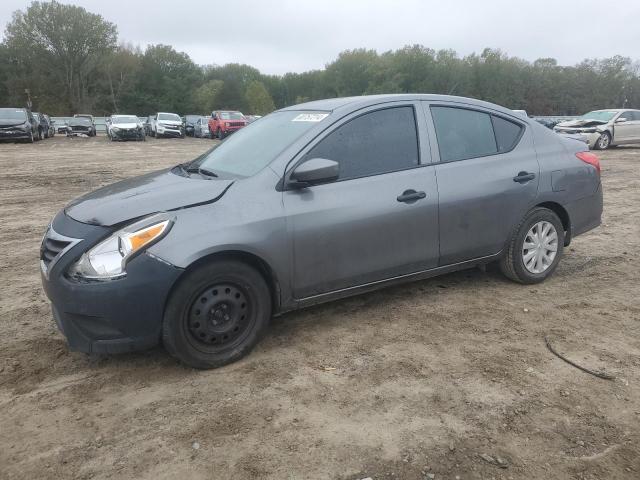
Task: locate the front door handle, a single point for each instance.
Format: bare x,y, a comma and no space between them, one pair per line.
411,196
524,177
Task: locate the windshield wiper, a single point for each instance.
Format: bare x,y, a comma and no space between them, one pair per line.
200,170
204,171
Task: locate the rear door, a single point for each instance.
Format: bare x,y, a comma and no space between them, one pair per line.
487,178
379,219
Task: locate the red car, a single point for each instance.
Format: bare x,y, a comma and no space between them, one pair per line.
225,122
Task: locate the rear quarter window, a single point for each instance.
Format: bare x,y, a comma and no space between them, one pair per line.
507,133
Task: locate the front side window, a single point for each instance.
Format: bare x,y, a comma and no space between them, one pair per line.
374,143
463,133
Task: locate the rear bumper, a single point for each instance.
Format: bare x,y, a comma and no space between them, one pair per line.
586,213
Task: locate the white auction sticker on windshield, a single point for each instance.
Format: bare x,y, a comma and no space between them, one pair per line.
310,117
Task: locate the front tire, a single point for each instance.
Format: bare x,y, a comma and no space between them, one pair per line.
535,249
217,314
603,142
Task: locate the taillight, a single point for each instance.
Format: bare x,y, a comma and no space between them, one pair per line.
590,158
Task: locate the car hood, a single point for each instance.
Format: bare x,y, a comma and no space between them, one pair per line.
581,123
139,196
170,122
124,125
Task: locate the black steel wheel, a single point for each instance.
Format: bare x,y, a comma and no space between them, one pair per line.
217,314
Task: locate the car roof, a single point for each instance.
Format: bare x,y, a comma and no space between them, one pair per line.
353,103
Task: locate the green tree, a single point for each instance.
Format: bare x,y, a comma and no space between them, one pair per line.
258,99
59,46
206,95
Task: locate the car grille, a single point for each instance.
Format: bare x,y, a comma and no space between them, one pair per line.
53,247
236,124
79,129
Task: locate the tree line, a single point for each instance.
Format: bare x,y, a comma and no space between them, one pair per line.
70,60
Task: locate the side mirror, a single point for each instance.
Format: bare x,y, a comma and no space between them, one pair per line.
621,120
316,170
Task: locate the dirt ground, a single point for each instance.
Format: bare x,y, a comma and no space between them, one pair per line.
447,378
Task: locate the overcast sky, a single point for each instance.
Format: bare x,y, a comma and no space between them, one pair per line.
296,35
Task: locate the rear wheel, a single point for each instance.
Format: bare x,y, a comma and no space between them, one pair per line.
219,134
217,314
535,249
603,142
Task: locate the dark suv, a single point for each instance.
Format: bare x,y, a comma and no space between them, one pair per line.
19,124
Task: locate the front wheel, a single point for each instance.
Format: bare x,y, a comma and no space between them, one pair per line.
220,134
217,314
603,142
535,249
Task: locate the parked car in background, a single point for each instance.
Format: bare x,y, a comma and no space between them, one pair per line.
80,126
60,125
225,122
190,123
89,118
605,128
167,125
201,128
43,126
19,124
312,203
125,127
52,128
148,125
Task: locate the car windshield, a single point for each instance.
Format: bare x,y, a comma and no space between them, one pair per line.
231,116
124,119
602,115
254,147
13,114
169,116
81,120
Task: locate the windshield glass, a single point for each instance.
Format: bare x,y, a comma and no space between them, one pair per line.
602,115
254,147
81,121
231,116
13,114
124,119
169,116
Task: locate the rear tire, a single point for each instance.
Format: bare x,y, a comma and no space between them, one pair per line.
219,134
535,231
216,314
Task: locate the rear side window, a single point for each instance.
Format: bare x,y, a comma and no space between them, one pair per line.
374,143
463,133
507,133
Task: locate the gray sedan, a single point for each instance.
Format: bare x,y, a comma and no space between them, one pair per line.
312,203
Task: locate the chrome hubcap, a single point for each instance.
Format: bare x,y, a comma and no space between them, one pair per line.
540,247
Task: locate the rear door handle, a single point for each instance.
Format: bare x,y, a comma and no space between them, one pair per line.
411,196
524,177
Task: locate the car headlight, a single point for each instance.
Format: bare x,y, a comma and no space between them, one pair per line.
107,260
115,129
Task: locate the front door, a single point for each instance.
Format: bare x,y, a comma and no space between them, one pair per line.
629,130
379,219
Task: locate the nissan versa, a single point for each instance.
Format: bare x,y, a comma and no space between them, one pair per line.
312,203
